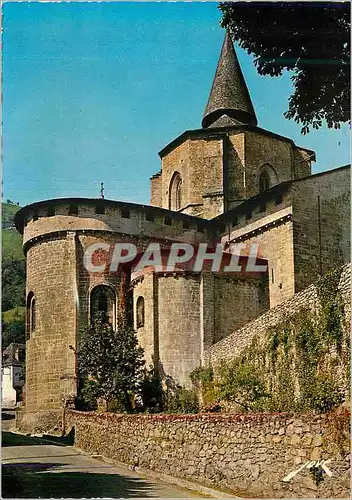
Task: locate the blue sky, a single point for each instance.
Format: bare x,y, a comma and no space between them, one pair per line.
92,91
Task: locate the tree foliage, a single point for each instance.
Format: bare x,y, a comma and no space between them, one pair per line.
311,39
13,279
13,284
13,332
110,362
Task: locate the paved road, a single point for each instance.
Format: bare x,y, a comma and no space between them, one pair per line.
34,469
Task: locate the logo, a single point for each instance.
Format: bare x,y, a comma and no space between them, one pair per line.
308,465
109,257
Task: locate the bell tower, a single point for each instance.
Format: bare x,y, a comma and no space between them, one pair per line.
207,171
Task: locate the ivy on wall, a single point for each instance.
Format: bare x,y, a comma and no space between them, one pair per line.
301,364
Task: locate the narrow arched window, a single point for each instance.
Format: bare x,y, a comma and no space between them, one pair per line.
175,192
267,177
140,312
103,301
178,195
264,181
31,315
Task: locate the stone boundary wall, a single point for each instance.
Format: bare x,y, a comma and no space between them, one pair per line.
232,345
246,455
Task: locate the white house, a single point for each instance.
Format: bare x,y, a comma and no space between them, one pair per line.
12,375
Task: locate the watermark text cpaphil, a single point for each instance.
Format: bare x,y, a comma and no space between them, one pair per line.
110,257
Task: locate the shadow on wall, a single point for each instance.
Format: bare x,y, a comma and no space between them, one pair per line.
168,381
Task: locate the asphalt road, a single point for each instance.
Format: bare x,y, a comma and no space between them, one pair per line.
32,468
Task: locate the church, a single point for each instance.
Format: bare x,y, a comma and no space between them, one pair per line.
229,183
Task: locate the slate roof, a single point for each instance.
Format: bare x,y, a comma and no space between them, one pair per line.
229,95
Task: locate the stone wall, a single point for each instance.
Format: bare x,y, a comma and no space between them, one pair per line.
50,364
236,179
156,190
118,217
185,313
220,168
232,345
247,455
236,302
322,225
199,162
303,230
272,230
207,181
148,333
261,149
179,326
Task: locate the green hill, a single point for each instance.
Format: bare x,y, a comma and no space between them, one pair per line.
11,239
8,211
13,278
11,245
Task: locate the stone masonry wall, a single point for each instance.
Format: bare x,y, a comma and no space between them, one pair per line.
146,334
135,223
261,149
176,161
185,313
236,302
50,364
230,346
321,225
273,232
156,190
236,179
200,165
206,181
247,455
179,326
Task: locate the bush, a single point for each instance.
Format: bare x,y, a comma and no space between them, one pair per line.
152,392
110,364
180,400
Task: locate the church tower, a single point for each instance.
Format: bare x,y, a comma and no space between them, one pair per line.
207,171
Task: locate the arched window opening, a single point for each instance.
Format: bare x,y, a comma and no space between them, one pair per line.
178,195
264,181
31,315
140,312
175,192
103,301
267,178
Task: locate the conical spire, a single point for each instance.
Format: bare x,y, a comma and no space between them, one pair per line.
229,101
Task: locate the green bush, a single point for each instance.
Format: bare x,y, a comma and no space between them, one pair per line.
110,363
180,400
152,392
